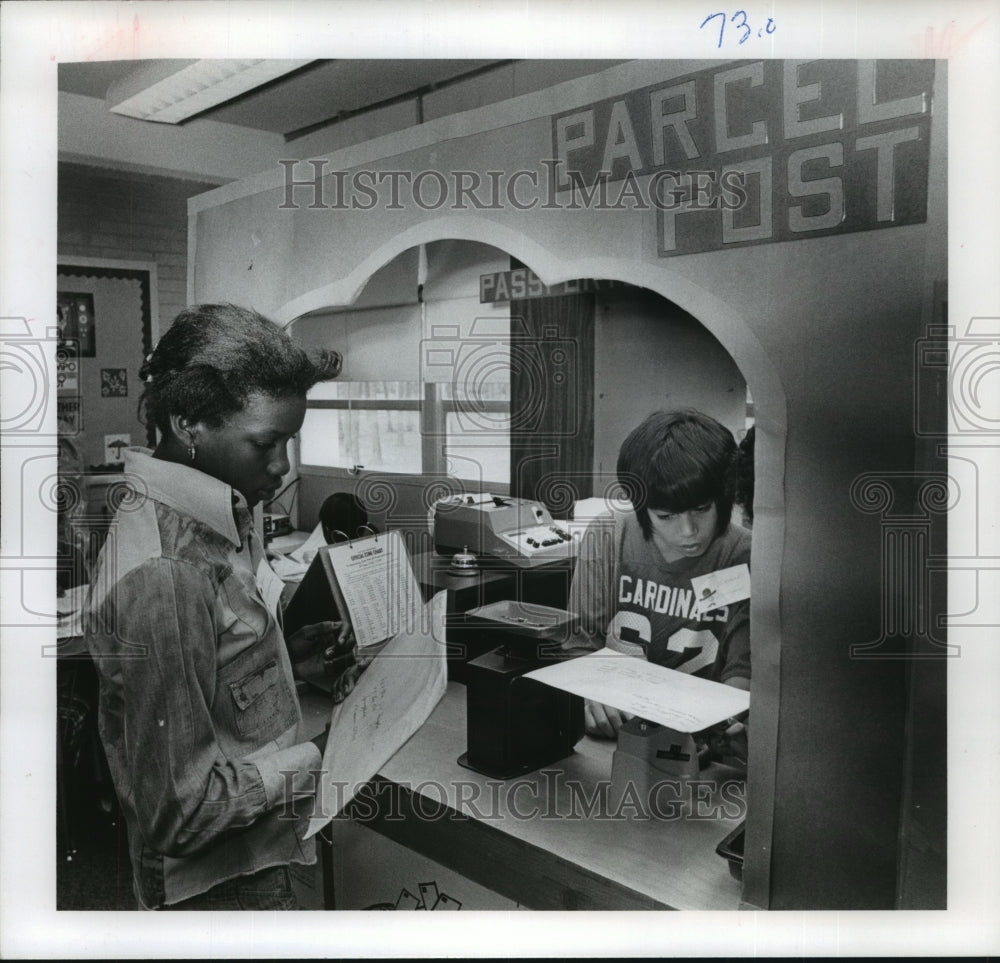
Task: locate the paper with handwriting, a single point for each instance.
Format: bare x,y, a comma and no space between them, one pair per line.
671,698
392,699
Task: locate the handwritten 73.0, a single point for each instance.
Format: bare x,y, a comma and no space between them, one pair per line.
740,21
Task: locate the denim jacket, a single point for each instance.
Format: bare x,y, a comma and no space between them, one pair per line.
198,712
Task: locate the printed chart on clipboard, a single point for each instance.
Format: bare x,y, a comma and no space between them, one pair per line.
376,585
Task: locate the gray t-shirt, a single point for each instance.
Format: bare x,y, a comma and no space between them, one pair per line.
629,598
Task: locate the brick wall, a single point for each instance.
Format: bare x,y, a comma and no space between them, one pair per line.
129,216
120,216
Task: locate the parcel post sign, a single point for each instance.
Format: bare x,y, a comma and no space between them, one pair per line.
756,151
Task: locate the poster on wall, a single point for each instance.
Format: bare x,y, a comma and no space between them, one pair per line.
114,382
67,367
75,317
114,446
68,414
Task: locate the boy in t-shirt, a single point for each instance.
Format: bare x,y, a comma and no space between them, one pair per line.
632,584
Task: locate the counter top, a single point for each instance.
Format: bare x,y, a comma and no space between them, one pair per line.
558,838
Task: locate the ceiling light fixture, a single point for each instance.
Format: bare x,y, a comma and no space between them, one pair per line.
169,91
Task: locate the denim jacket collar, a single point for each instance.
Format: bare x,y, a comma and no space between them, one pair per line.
204,498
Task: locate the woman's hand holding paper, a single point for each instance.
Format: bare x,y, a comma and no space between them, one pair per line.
327,651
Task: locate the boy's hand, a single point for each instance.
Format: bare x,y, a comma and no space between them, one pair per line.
603,721
727,743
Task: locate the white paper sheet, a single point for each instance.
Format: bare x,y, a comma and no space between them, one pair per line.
72,600
293,566
306,552
671,698
70,626
69,610
286,569
392,699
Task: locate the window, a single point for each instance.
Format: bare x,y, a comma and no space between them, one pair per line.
371,423
476,430
410,428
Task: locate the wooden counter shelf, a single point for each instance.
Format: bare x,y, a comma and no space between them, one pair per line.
533,839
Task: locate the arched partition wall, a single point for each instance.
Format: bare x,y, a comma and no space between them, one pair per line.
723,321
822,320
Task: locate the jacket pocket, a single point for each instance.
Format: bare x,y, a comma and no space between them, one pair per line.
258,700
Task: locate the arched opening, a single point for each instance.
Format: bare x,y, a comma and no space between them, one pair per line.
411,291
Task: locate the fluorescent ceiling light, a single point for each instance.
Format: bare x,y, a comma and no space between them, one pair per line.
169,91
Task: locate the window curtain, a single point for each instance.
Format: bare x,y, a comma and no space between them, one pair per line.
552,400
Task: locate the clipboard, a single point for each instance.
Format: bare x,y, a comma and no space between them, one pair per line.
366,581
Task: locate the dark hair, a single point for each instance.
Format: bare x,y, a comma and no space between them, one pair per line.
744,473
214,356
344,512
675,461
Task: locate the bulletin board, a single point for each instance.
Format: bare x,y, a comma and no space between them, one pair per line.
106,319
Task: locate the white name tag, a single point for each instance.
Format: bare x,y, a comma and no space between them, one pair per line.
720,588
269,586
